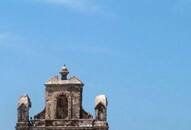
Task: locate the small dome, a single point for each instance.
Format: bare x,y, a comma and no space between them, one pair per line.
24,100
64,69
64,72
101,99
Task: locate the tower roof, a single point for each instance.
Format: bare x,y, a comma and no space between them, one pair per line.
56,80
24,100
101,99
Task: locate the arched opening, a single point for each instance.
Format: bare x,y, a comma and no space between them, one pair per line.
62,107
101,112
22,113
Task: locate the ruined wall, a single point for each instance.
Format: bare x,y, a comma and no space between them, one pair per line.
73,95
63,108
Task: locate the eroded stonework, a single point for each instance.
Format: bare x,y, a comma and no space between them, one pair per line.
63,109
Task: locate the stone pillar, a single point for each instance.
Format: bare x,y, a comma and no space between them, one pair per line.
23,107
101,108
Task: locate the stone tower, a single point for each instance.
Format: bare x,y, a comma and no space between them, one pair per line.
63,109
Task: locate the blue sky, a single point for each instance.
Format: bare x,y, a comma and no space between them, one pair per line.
137,52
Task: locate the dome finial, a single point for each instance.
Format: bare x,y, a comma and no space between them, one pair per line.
64,72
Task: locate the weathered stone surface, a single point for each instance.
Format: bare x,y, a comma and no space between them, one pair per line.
63,109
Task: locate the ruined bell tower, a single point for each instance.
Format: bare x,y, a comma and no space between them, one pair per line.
63,109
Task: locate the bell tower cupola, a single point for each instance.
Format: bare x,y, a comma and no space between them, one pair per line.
64,72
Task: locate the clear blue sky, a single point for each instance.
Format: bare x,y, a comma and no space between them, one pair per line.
137,52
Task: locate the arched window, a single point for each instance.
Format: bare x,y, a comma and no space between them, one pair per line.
62,107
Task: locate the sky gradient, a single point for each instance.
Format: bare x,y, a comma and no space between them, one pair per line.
137,52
